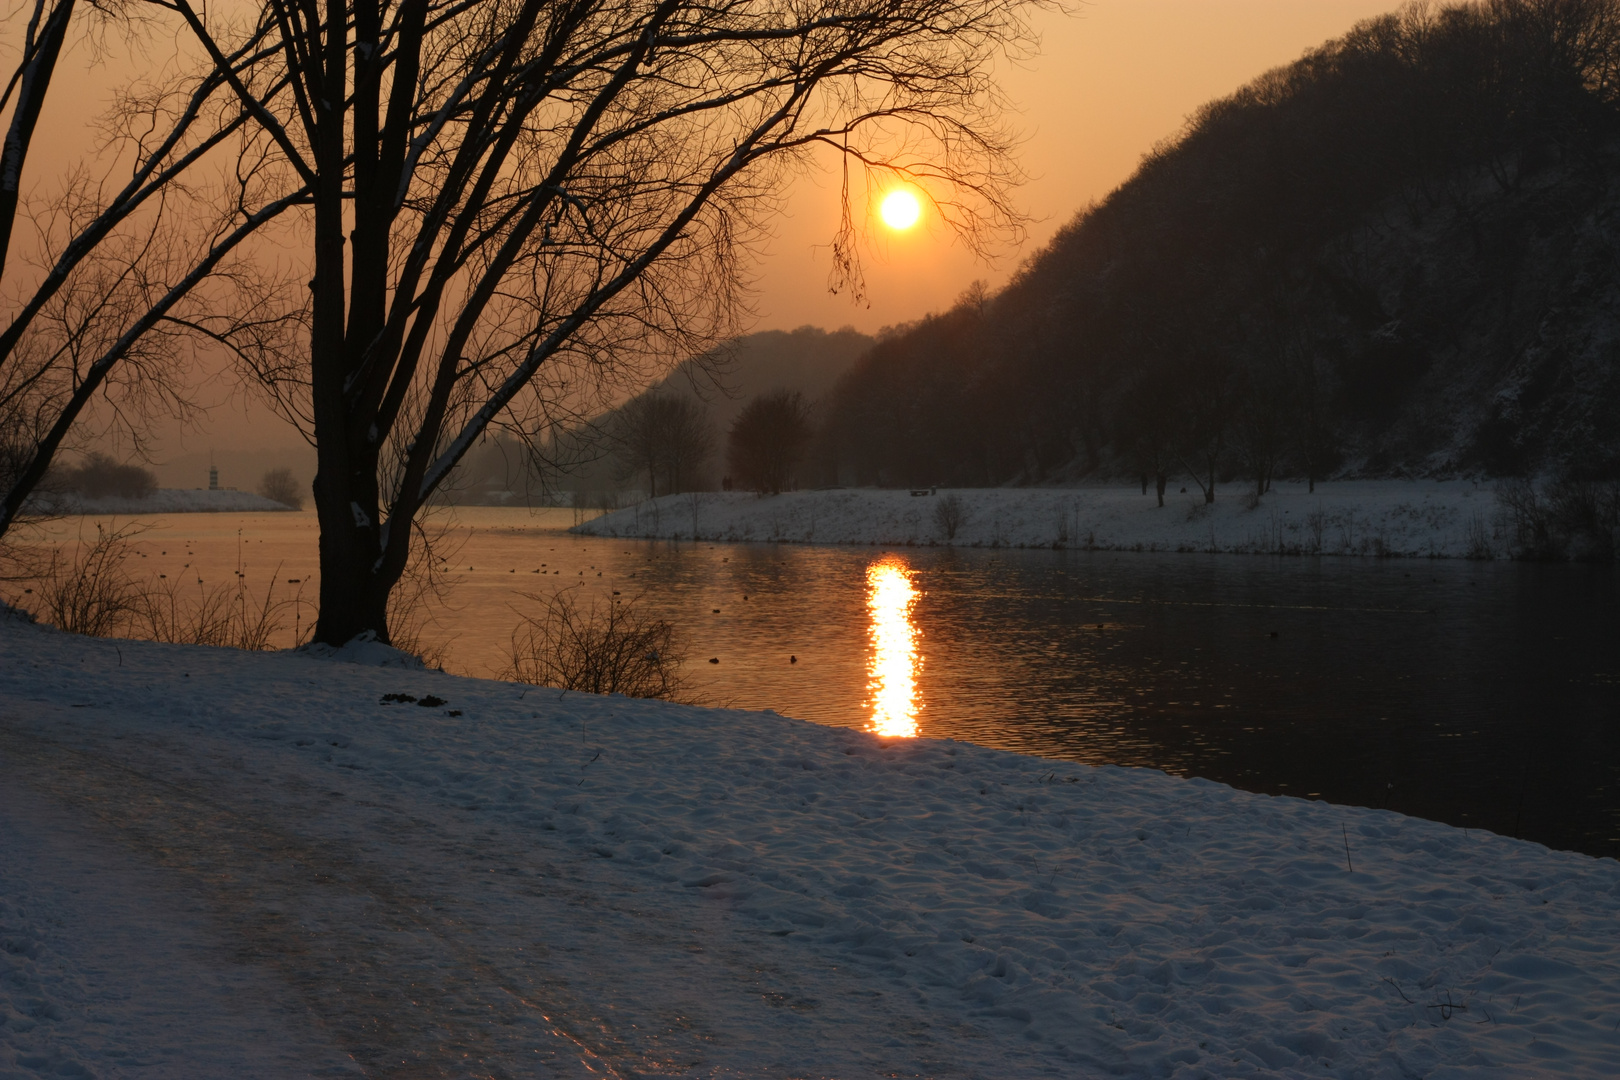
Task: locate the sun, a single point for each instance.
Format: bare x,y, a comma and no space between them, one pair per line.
900,209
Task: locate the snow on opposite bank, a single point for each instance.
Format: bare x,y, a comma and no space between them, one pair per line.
575,886
163,501
1453,519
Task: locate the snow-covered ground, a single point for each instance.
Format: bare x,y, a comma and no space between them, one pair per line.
1456,519
164,501
226,864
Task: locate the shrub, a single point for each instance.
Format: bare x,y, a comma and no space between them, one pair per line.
1568,519
92,593
949,514
610,649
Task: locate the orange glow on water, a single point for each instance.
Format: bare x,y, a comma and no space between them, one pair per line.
892,669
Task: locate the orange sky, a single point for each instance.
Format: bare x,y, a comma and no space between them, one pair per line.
1112,79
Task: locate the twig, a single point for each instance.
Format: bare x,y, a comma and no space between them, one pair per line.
585,766
1447,1008
1398,990
1346,833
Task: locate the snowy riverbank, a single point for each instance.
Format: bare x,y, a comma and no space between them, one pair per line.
1453,519
164,501
215,863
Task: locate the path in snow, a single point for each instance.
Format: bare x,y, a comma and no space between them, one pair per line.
545,886
109,969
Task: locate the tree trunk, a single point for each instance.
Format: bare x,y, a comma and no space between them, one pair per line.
354,593
1160,481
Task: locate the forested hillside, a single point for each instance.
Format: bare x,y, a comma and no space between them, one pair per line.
1396,256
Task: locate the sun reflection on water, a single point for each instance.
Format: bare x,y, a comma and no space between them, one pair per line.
892,669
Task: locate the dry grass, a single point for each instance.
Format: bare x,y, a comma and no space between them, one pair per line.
92,592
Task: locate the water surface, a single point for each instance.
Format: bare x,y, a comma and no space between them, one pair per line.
1482,694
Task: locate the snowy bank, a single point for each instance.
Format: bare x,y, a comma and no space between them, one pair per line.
164,501
497,880
1454,519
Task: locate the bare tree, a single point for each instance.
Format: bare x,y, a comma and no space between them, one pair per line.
949,515
128,275
668,438
1205,409
1263,414
1148,408
767,439
514,203
278,485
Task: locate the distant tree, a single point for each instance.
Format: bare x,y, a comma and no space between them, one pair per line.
667,438
949,514
767,439
100,476
1314,440
1149,415
278,485
1204,409
1263,417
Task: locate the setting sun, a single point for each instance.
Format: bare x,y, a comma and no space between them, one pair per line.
900,209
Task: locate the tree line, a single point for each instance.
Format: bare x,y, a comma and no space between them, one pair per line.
668,441
1393,256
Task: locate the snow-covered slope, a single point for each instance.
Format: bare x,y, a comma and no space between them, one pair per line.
1379,517
511,882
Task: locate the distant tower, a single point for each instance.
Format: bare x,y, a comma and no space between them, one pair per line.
213,476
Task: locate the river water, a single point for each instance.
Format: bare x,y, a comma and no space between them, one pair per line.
1486,695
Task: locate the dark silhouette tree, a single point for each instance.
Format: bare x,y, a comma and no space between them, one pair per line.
278,485
99,476
767,440
666,438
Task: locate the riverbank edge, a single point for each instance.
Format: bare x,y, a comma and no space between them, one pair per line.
1378,519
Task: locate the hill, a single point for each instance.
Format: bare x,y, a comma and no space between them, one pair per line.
809,360
582,461
1394,257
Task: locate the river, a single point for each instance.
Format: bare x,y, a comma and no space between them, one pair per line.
1486,695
